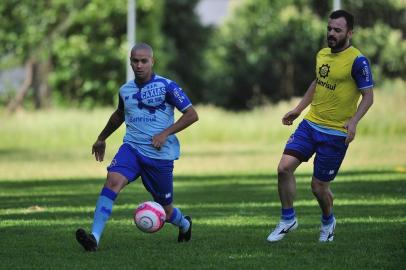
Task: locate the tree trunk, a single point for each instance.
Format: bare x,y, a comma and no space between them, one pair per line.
40,84
17,102
36,78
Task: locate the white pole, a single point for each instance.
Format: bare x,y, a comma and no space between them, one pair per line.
336,5
131,28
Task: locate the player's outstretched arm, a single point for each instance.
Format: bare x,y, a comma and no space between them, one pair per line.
366,102
188,117
114,122
289,117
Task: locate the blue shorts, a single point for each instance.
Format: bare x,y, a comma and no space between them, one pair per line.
330,150
156,174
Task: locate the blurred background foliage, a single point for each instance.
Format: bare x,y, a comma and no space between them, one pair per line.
264,52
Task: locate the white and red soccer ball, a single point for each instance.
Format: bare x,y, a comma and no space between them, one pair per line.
149,217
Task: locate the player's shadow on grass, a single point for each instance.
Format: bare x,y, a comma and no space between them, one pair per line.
221,195
222,152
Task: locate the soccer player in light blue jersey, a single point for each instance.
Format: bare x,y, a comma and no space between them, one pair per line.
149,148
343,76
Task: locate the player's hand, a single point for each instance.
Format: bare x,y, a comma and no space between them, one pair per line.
351,127
288,118
159,140
98,150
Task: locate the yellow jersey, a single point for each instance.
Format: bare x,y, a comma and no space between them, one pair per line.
339,79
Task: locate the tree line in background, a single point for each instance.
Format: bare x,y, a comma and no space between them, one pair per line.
75,51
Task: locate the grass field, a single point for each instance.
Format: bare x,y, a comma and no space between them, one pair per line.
225,180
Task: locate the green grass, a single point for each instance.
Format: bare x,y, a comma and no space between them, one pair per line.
225,179
232,217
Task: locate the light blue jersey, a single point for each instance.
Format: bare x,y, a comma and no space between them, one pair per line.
149,109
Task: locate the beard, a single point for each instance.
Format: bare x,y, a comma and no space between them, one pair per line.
336,45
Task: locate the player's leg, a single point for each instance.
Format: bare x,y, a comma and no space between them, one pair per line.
286,180
329,156
324,196
299,148
157,177
104,206
175,217
123,167
287,192
321,190
114,184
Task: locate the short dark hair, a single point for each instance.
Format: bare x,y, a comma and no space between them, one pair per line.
142,46
349,18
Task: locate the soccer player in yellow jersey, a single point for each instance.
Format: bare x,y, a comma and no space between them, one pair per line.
343,75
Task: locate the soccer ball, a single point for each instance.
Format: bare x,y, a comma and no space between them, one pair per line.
149,217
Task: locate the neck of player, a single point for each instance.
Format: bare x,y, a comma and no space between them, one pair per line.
337,50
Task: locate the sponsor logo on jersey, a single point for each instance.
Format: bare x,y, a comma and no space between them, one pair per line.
365,72
151,97
142,119
151,93
176,93
326,84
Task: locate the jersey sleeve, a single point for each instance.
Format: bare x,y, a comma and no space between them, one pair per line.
361,72
176,97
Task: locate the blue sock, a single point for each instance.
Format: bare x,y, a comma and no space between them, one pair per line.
327,220
288,214
104,206
179,220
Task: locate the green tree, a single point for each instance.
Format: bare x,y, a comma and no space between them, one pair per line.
266,50
90,62
28,30
89,58
385,48
78,49
187,39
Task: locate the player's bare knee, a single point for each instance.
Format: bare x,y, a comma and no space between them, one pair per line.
315,188
115,182
318,188
284,170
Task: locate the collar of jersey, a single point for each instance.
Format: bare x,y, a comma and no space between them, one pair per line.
143,84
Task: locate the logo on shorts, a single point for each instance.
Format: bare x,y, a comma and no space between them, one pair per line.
113,163
168,195
290,140
331,172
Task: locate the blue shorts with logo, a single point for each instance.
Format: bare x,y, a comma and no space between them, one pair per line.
330,150
156,174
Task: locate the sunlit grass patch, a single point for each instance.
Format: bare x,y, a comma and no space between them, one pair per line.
226,180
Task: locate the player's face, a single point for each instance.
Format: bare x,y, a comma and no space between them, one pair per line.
338,35
141,62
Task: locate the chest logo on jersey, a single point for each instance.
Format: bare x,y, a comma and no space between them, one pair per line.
324,70
151,97
152,93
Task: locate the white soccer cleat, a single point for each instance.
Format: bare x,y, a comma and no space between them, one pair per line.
327,232
282,229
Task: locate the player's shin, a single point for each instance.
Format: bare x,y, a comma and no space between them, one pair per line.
104,207
179,220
